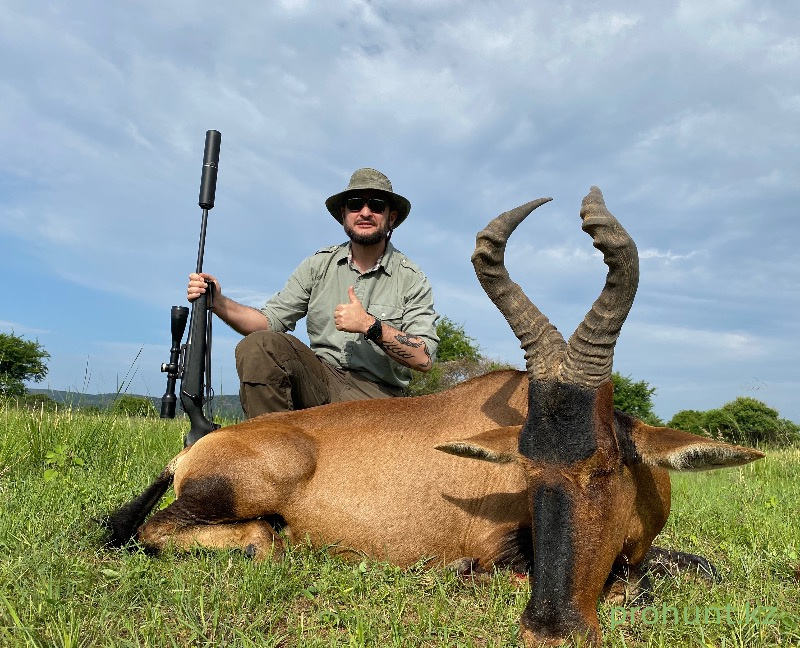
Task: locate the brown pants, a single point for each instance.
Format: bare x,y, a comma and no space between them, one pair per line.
277,373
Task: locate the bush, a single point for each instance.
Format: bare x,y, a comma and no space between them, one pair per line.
689,421
444,375
90,409
32,402
134,406
38,402
746,421
753,422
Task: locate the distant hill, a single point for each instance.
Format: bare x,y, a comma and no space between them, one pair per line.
227,407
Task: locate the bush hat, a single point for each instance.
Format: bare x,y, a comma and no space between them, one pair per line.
376,181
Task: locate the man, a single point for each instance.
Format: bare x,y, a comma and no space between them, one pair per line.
370,316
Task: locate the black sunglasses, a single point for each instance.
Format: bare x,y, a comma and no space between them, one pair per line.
356,203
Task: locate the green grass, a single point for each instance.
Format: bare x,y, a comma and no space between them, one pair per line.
58,587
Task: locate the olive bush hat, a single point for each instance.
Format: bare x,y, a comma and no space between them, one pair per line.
369,179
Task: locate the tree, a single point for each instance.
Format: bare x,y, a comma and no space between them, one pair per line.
128,405
635,398
20,360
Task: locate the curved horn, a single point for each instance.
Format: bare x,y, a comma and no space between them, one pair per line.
590,350
532,328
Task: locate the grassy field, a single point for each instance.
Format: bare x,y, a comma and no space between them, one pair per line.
58,586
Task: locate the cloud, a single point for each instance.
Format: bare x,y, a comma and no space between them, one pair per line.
667,256
712,344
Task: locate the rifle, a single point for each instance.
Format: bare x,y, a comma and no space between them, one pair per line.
191,362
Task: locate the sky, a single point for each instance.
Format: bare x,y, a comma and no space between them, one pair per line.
685,114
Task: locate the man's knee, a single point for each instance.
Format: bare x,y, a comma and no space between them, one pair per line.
270,354
255,352
250,343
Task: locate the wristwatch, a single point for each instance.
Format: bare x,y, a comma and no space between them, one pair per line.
375,331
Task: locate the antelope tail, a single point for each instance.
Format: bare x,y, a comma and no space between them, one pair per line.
123,523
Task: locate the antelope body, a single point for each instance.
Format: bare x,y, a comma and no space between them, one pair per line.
568,489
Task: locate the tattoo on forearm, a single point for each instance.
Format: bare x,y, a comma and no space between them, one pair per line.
396,351
395,348
404,339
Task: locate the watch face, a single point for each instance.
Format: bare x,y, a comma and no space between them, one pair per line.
374,331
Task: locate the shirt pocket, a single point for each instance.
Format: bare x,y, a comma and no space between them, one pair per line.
388,313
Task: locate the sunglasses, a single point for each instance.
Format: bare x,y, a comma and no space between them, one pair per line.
356,203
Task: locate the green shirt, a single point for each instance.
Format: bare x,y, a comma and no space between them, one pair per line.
396,291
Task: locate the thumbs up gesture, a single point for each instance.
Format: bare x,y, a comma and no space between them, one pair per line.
352,317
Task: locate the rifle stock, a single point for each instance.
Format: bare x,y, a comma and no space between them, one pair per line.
191,363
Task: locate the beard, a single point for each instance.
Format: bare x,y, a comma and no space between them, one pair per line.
381,234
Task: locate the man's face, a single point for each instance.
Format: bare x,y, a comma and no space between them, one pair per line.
363,225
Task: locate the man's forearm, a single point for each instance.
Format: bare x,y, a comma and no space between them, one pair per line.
242,319
409,350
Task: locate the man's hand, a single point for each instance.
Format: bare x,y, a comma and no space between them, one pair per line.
242,319
197,285
352,317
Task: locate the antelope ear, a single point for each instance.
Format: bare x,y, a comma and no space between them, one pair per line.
678,450
496,446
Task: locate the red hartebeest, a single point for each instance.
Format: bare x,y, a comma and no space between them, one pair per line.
583,488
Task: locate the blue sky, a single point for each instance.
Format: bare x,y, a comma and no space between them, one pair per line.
685,114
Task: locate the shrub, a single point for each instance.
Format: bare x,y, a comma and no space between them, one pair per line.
689,421
38,402
746,421
128,405
32,402
444,375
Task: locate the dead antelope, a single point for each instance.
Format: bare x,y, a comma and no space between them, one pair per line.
583,488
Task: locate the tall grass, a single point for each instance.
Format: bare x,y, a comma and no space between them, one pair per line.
60,471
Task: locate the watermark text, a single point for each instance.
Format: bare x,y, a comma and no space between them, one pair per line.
694,615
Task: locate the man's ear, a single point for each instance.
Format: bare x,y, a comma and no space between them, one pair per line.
392,218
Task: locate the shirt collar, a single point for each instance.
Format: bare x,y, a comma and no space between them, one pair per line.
382,262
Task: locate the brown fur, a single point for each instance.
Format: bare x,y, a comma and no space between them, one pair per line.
363,476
